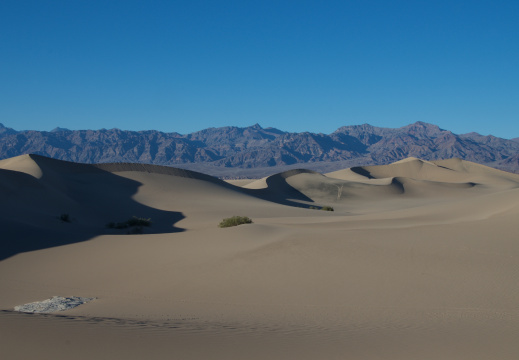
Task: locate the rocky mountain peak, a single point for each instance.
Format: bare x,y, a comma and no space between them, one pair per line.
423,128
59,129
6,130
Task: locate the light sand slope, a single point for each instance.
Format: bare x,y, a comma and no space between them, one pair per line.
419,260
446,171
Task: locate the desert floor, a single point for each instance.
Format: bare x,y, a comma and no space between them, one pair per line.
418,260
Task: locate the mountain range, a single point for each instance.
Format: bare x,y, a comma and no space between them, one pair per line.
255,151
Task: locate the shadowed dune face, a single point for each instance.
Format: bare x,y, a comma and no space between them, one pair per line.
31,205
276,188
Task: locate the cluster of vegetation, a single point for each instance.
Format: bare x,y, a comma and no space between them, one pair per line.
234,221
131,222
324,208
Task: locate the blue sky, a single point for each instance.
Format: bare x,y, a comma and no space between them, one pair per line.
296,65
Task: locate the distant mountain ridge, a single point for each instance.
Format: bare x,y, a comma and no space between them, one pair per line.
254,147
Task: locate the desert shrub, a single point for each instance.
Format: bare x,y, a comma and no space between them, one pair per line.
234,221
65,218
325,208
133,221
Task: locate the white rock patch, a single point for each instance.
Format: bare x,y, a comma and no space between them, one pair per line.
57,303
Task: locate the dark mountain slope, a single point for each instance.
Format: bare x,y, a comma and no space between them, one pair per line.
254,147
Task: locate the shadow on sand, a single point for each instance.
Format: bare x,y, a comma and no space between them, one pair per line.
279,191
30,208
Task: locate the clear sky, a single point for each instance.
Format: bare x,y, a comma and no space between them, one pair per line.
295,65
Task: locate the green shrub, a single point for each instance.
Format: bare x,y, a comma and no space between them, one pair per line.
133,221
325,208
234,221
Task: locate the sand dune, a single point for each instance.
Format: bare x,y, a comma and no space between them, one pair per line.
418,260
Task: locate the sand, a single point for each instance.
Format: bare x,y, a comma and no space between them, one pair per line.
418,260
